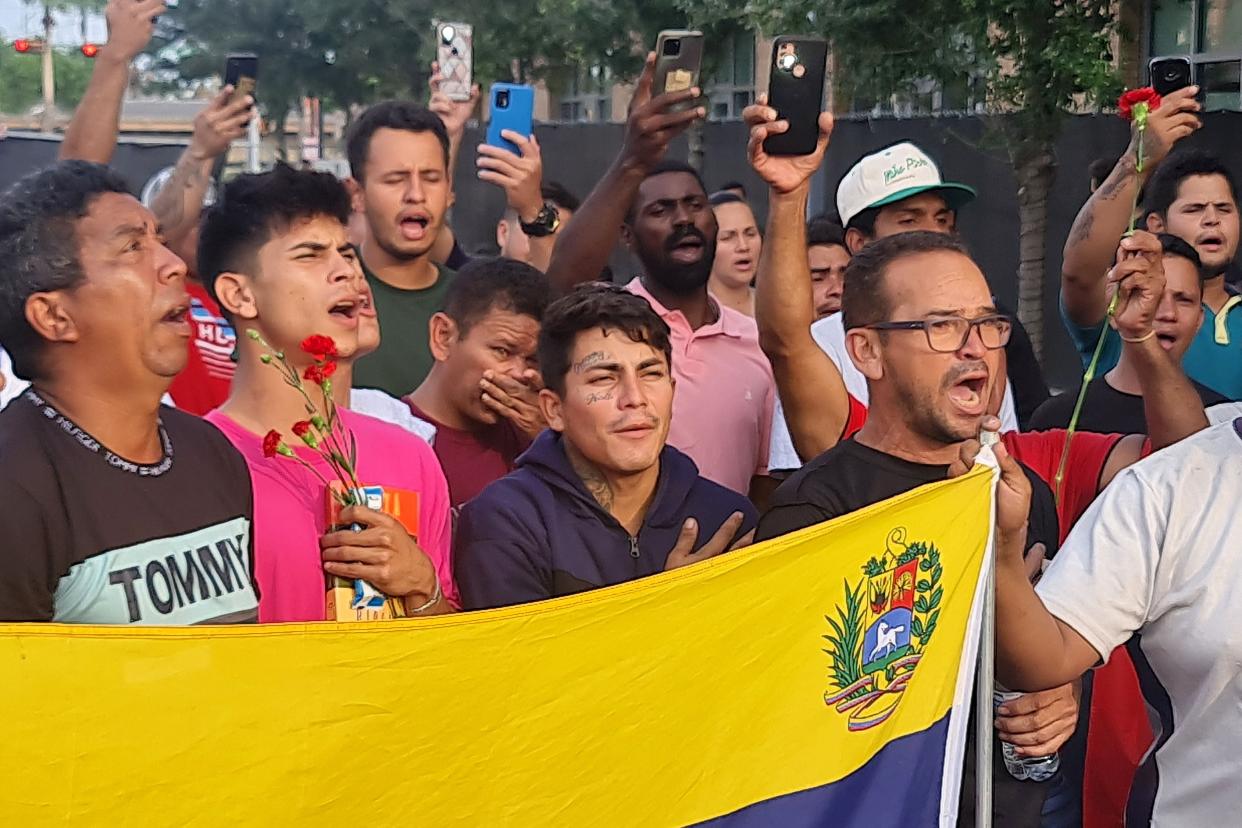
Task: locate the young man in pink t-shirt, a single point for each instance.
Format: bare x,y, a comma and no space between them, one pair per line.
275,255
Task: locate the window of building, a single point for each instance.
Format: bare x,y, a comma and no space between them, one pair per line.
589,96
732,89
1210,33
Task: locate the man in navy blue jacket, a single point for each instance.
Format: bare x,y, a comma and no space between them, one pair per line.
599,498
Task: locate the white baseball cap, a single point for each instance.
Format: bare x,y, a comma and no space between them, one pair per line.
892,174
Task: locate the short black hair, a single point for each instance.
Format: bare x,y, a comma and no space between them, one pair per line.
668,165
497,283
1162,187
556,193
722,197
39,246
822,230
864,222
1099,169
253,207
864,300
589,306
403,115
1177,246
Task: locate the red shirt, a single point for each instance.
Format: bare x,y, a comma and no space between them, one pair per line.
203,384
473,459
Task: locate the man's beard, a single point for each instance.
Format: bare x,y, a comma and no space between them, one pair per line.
925,416
679,279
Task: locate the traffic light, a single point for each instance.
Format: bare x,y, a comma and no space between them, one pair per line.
90,49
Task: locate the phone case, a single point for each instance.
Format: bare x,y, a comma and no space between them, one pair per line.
673,73
456,59
517,116
796,92
1169,74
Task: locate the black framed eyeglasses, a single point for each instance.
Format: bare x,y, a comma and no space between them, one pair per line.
946,334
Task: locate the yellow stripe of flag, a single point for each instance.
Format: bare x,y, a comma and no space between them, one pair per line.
665,701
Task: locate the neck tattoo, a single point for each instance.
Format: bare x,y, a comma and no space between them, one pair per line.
591,478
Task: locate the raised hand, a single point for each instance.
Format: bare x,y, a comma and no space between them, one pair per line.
130,26
1175,118
520,176
683,553
653,122
1138,276
455,114
219,124
784,174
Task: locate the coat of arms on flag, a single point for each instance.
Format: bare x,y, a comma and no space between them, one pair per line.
877,637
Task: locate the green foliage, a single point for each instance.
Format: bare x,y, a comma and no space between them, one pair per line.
846,639
874,566
23,79
929,594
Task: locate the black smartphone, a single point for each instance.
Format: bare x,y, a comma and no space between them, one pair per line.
241,71
796,92
1169,74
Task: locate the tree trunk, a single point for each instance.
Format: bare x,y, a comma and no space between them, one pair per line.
1034,171
694,137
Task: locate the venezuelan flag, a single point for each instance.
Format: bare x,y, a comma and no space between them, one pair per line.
813,680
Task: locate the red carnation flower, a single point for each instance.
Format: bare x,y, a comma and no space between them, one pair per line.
321,347
301,428
1146,95
319,373
271,443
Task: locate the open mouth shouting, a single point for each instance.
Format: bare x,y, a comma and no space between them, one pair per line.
686,247
414,225
967,391
178,318
346,311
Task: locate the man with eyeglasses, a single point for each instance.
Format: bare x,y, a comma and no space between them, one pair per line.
924,331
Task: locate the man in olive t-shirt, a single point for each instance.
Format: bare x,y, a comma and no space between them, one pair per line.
403,358
399,159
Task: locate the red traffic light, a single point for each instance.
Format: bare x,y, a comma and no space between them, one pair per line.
90,49
21,45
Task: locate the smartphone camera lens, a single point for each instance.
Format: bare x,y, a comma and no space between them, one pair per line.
502,99
672,47
787,62
447,33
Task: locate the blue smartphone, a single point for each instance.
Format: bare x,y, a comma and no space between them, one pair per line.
512,107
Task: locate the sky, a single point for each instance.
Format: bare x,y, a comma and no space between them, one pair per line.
19,19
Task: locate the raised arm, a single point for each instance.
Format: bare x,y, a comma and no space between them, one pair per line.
812,392
455,115
1173,407
1092,239
91,134
521,177
179,204
583,249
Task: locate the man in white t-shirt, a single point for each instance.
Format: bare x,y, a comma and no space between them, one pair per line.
895,190
1154,558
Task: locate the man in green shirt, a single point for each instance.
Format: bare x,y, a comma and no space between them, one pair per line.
399,159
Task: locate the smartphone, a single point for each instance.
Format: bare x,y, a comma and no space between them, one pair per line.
455,54
679,56
242,72
1169,74
512,106
796,92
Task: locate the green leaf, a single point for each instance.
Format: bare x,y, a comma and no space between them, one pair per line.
924,585
920,604
936,596
916,627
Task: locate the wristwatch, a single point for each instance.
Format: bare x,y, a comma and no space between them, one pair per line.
545,222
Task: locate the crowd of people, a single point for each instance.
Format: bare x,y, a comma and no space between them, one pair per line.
565,430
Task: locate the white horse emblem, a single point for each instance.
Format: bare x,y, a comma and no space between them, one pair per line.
886,640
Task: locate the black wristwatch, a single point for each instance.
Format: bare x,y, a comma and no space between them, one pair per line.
545,223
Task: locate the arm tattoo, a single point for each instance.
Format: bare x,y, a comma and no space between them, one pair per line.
1121,175
591,478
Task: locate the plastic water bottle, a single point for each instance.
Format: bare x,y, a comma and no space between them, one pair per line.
1032,768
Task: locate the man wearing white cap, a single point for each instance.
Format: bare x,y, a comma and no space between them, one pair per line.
894,190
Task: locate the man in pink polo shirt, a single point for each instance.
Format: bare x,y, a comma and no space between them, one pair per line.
722,408
275,255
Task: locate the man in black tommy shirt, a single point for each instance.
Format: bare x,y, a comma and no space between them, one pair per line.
113,509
